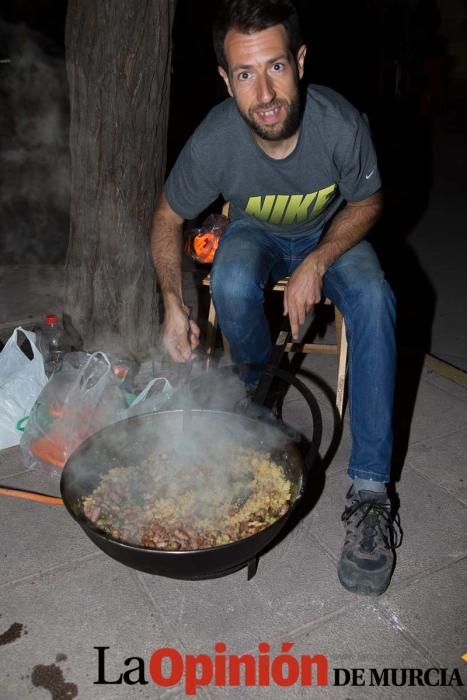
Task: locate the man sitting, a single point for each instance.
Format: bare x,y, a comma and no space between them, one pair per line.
300,172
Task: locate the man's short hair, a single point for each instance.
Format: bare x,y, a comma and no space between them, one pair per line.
251,16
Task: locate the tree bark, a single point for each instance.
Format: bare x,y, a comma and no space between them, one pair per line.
118,64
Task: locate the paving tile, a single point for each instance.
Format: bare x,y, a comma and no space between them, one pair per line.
322,394
11,462
321,366
433,522
362,638
34,536
68,612
445,384
433,610
39,479
295,582
437,413
444,460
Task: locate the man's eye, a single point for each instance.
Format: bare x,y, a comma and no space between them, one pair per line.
277,67
244,75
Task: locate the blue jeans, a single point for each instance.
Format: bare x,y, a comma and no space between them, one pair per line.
249,258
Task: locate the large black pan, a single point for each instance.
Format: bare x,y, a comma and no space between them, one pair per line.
130,441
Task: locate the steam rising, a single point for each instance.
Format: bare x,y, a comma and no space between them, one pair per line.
201,427
34,154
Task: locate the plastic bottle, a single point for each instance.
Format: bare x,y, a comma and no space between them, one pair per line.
53,343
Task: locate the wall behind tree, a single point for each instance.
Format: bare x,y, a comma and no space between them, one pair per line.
454,26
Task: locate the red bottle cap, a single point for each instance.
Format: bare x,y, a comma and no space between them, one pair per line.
51,319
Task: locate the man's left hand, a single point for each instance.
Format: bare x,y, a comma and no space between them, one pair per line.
303,291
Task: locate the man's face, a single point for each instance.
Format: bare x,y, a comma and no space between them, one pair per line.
263,79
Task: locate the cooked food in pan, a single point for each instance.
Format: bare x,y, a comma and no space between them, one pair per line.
165,503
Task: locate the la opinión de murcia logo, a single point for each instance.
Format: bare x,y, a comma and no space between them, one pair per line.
167,667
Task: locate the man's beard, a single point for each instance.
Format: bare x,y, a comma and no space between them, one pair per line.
276,132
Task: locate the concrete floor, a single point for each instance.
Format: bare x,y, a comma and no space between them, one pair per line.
60,597
64,597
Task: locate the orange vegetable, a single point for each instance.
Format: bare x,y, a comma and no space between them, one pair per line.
50,448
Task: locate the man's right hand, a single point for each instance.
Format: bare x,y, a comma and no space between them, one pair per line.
180,335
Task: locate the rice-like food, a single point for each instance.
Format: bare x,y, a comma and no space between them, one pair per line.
161,504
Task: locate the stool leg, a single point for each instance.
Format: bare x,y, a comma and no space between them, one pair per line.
211,337
211,334
226,345
341,341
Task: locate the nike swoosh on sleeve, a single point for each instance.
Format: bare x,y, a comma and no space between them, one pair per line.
370,174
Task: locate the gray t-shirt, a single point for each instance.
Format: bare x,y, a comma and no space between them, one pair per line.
334,161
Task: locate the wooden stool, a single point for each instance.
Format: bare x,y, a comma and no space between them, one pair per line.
338,348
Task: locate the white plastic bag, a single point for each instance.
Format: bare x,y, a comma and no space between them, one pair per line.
145,402
21,381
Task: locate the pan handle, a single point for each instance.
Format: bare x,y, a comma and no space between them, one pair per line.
31,496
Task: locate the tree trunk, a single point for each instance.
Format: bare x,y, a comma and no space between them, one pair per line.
118,64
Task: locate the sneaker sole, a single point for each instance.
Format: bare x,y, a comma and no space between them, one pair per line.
354,585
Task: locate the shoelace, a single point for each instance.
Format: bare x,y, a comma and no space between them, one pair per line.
371,514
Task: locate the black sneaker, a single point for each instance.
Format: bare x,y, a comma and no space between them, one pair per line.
372,534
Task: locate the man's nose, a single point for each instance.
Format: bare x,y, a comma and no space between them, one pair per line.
265,89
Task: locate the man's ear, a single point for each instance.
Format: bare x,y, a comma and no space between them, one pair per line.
301,53
226,80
